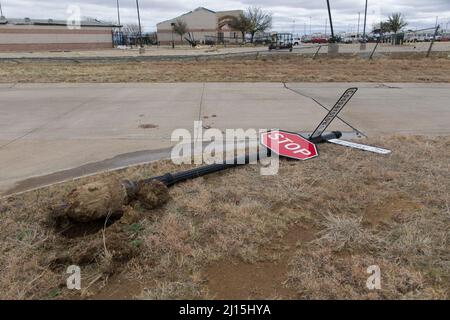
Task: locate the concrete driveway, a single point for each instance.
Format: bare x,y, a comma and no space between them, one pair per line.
83,128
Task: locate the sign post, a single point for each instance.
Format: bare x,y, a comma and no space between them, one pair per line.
345,98
289,144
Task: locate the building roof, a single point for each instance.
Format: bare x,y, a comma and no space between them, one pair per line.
232,13
184,14
52,22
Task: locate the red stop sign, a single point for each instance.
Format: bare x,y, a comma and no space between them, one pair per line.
288,144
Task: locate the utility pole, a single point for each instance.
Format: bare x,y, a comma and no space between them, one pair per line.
310,19
365,21
326,21
331,21
173,41
139,20
1,10
357,32
118,13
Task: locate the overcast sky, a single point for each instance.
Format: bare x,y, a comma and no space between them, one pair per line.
288,15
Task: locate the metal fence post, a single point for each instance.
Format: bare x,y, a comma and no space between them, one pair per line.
317,52
432,41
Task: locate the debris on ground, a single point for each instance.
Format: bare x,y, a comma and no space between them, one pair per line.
152,194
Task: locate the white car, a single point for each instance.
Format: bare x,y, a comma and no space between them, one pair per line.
296,41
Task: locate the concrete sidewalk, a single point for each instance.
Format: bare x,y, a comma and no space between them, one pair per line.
47,128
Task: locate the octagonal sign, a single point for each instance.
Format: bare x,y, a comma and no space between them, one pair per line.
289,144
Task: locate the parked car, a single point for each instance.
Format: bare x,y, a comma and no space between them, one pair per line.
306,39
296,41
319,40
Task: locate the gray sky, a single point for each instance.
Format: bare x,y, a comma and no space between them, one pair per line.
418,13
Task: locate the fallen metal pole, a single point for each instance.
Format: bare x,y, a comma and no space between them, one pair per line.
99,200
170,179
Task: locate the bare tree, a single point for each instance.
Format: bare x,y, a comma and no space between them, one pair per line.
180,27
258,20
131,29
241,23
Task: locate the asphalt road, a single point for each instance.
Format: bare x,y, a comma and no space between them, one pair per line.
83,128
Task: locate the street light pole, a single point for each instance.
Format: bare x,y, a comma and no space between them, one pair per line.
173,41
331,21
139,20
118,12
310,19
365,20
1,10
357,32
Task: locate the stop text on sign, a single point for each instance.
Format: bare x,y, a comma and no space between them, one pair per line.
289,144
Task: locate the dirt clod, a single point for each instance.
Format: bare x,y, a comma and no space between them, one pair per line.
96,200
153,194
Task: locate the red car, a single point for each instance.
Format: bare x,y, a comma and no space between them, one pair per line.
319,40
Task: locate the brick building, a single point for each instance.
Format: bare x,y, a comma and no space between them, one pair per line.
47,35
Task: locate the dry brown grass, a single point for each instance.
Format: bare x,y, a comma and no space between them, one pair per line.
276,69
360,209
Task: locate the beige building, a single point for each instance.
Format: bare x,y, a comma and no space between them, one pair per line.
44,35
203,25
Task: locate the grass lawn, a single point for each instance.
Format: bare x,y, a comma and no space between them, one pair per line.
309,232
273,69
